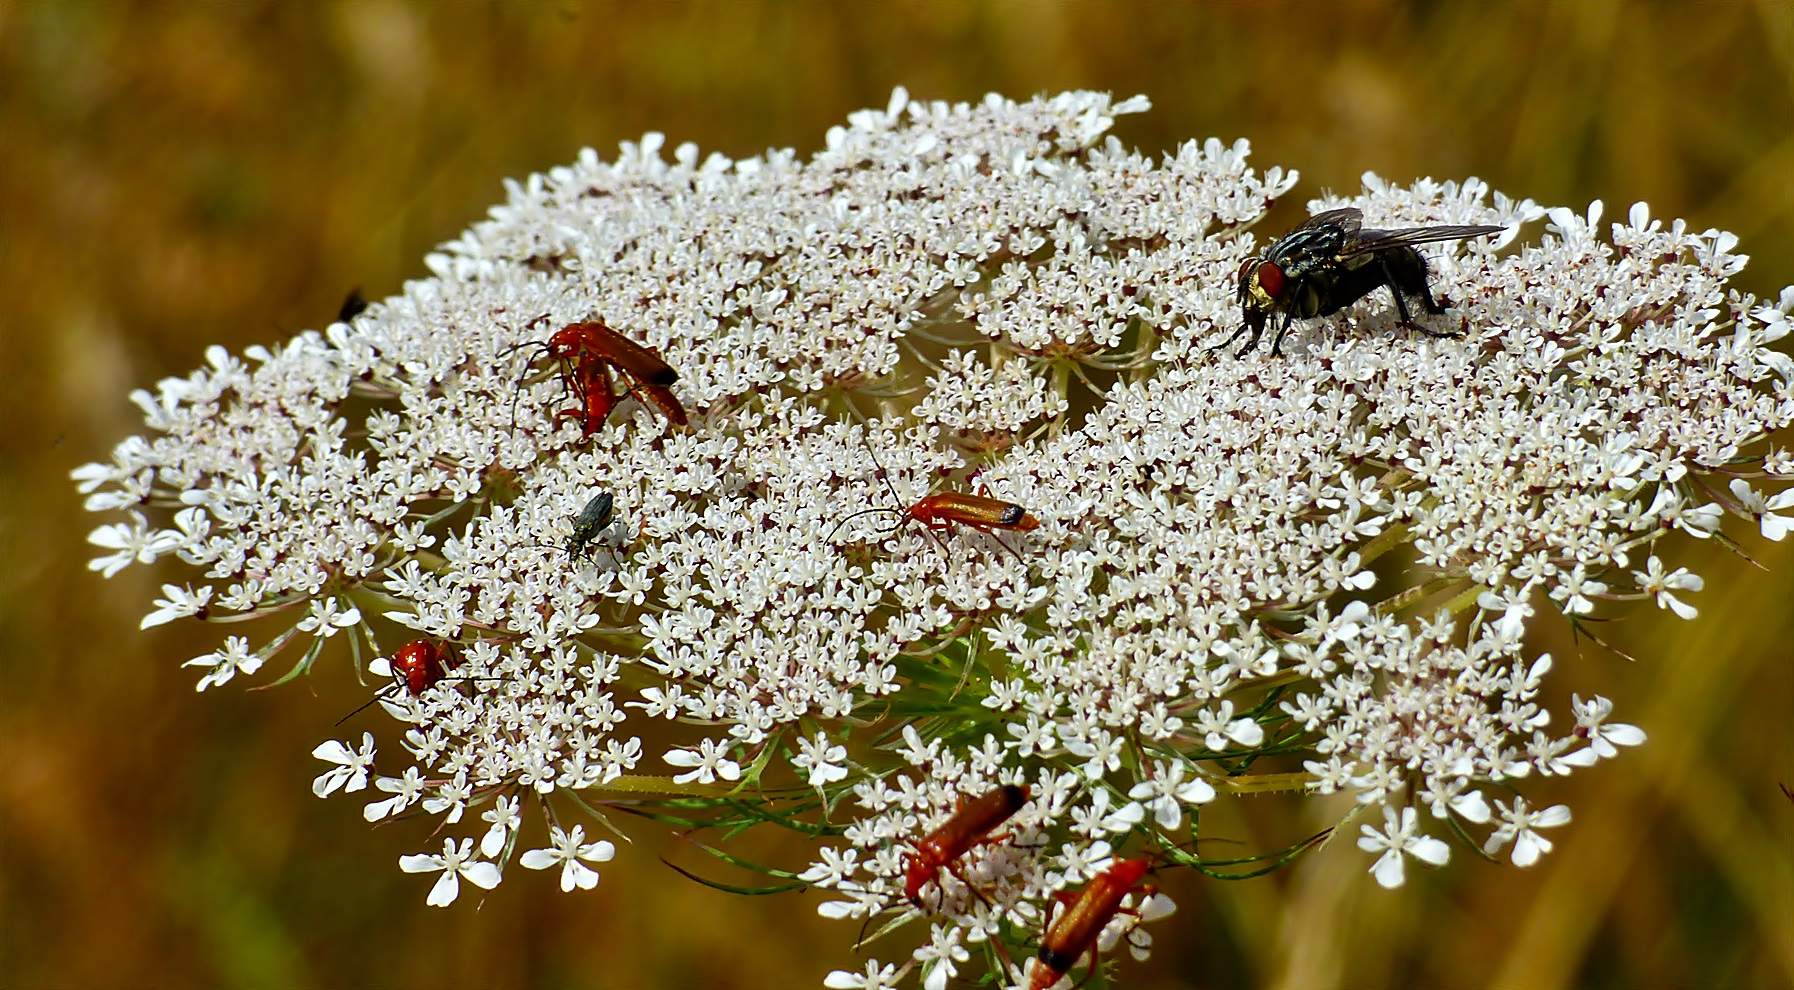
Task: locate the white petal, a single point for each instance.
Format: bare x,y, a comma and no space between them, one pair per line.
1196,792
326,783
1587,756
539,859
493,842
1388,869
484,874
1157,906
682,758
577,875
1246,732
420,864
446,890
1528,847
1471,806
1166,813
1557,814
1430,850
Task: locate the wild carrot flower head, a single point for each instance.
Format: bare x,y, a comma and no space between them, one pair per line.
1000,301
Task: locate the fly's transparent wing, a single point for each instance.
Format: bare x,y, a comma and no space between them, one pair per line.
1372,239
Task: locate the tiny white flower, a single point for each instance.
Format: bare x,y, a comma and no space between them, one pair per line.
568,850
822,758
132,542
454,864
1514,606
1653,581
236,657
354,768
1753,503
939,958
1603,738
1166,793
876,977
1575,589
504,818
1520,826
1702,521
177,603
404,790
711,761
1400,836
325,620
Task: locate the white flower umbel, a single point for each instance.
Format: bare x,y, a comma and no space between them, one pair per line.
959,302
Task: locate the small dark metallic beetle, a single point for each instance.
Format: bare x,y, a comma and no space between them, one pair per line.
587,526
1332,261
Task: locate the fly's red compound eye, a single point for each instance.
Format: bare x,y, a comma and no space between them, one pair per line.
1270,278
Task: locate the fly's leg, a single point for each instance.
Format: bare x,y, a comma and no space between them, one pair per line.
1415,287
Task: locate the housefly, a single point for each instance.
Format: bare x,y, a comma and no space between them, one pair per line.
1331,262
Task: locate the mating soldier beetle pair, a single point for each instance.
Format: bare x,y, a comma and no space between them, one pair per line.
590,354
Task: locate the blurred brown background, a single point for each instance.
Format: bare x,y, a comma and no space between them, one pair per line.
175,175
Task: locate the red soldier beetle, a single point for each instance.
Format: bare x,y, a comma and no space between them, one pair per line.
969,827
1074,933
944,510
416,667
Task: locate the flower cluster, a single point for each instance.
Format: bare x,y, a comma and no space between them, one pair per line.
1000,300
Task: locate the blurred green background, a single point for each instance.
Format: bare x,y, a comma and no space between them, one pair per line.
176,175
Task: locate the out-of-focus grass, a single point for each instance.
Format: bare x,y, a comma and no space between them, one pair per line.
174,175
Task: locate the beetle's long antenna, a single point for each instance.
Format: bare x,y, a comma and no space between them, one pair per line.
515,392
844,519
883,476
369,704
